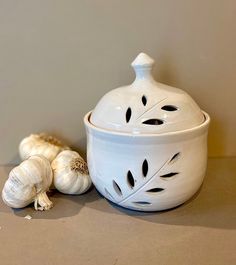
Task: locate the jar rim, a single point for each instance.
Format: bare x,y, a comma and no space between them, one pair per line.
88,124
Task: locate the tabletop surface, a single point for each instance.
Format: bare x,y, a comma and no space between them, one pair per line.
87,229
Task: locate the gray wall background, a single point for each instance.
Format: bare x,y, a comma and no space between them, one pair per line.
57,58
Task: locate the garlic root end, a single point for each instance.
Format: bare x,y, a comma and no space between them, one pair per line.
42,202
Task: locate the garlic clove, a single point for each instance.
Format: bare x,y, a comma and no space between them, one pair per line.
29,183
41,144
71,174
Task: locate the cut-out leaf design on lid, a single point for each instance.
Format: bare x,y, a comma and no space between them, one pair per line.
153,122
144,100
169,108
154,190
128,114
169,175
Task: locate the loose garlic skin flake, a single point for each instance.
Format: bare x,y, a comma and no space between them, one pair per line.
71,174
41,144
29,183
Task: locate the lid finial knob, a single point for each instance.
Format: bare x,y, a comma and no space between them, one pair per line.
143,65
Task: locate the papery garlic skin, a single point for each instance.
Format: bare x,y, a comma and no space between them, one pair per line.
41,144
71,174
29,183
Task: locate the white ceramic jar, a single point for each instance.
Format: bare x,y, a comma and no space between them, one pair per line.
147,143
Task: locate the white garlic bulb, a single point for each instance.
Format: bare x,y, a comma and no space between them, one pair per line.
28,183
71,174
41,144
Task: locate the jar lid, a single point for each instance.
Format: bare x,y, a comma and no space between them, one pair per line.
146,106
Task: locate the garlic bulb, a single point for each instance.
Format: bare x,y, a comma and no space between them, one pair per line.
41,144
71,174
28,183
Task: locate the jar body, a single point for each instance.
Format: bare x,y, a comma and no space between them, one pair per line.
147,172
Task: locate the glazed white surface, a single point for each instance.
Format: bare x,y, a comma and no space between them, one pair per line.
145,100
112,155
